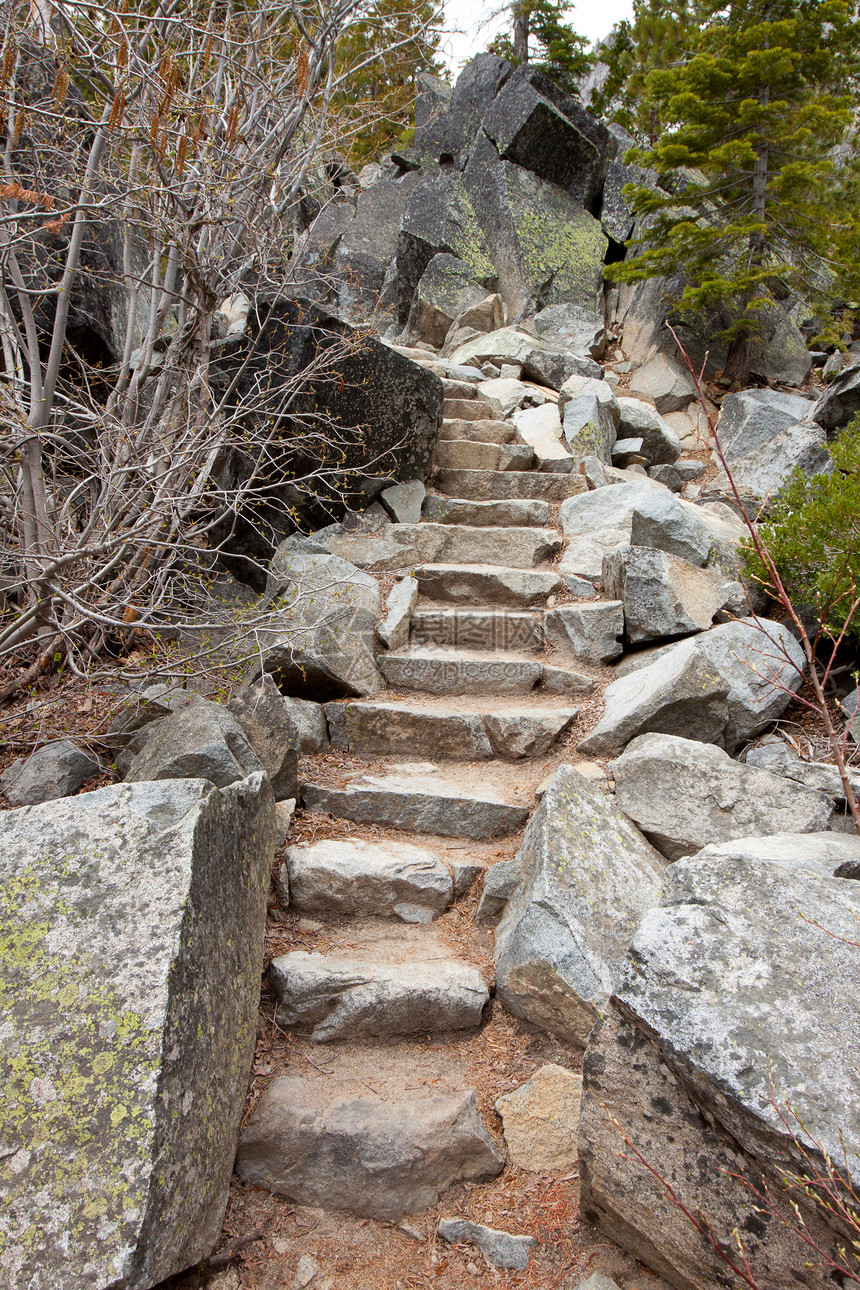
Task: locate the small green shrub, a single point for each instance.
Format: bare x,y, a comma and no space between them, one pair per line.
812,532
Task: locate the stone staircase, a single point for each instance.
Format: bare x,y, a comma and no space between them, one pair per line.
436,770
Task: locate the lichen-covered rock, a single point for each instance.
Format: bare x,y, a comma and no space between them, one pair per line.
546,247
729,1049
445,290
131,923
440,219
684,794
588,877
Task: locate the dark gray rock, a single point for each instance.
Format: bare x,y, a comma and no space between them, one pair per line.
476,87
556,962
729,1049
368,245
432,99
839,402
378,1159
552,367
56,770
260,711
337,879
200,741
440,219
536,126
684,795
133,922
546,248
499,1248
343,998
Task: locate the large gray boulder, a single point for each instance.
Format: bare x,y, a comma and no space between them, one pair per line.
382,1159
202,740
665,596
440,219
571,327
133,922
727,1052
546,247
764,471
367,246
55,770
536,126
666,381
588,876
684,795
752,418
679,693
760,662
590,418
587,633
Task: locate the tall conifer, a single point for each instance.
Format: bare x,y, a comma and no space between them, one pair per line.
751,197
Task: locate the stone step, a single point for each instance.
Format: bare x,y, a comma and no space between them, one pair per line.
445,672
480,431
340,1144
402,546
481,485
351,998
514,514
420,803
467,454
479,629
424,729
471,584
468,410
459,389
352,878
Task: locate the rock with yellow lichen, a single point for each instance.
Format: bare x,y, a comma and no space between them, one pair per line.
131,941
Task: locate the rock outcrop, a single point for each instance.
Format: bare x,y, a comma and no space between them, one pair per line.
133,921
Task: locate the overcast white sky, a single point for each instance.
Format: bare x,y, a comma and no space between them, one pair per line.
467,36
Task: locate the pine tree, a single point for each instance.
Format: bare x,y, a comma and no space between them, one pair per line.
752,202
560,53
658,36
387,48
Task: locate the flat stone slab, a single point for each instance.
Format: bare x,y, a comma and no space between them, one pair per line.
378,1159
420,804
352,999
494,584
541,1121
358,879
480,431
392,729
480,485
400,546
132,921
479,629
459,672
515,513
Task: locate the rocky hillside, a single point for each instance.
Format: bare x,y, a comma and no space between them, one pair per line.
557,926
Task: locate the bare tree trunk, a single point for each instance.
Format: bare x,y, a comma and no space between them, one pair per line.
738,361
522,15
